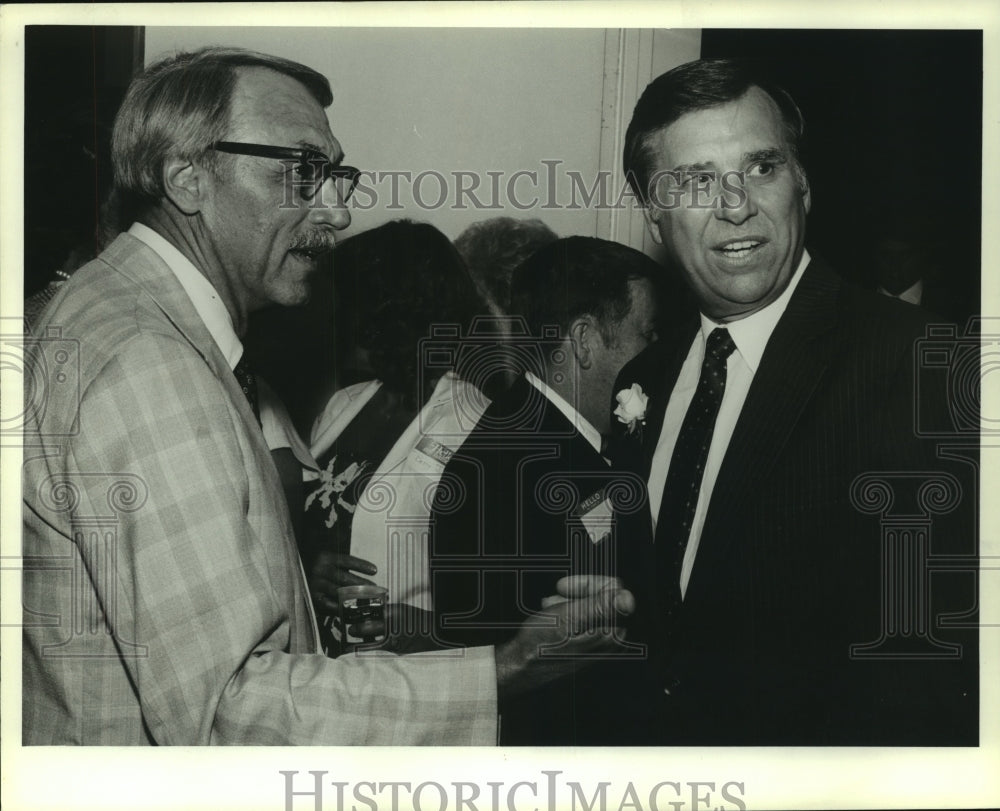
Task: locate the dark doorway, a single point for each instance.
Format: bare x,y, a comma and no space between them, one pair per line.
75,79
894,144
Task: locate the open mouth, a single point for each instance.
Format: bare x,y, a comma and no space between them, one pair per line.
310,253
740,249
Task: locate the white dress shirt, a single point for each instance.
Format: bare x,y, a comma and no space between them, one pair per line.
577,420
210,308
750,335
912,294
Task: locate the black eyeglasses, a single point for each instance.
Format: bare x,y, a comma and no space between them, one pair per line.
312,168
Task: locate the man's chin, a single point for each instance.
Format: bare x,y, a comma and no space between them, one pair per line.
294,286
291,294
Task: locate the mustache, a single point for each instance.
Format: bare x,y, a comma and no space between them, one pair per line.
314,242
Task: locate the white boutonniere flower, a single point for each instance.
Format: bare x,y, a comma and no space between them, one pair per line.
631,409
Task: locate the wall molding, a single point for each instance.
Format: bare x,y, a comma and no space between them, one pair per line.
632,59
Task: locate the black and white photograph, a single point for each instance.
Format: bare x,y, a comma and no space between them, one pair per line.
500,406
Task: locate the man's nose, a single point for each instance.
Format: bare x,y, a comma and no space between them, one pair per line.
328,207
735,204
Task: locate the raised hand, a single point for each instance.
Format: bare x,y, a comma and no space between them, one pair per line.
566,635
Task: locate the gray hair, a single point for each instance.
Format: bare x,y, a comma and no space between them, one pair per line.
178,107
493,249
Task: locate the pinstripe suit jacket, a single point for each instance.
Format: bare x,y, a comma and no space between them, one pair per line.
789,570
163,594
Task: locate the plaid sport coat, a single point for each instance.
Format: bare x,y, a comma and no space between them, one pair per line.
164,601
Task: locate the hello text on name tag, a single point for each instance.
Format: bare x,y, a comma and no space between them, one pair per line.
595,513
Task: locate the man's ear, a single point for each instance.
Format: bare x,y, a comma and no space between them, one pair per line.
583,334
803,181
184,184
652,218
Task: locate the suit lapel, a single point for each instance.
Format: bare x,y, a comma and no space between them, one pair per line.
794,362
136,261
656,370
553,423
143,266
665,378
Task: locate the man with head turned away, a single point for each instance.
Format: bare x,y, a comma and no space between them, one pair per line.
494,248
528,497
780,612
158,546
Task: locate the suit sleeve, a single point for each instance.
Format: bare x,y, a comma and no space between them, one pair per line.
935,696
481,585
208,598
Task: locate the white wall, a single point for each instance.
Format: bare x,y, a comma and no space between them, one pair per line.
477,101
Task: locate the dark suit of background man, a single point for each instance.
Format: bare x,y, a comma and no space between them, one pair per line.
768,567
528,498
157,542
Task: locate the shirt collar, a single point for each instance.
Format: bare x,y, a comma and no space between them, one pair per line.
581,423
206,301
752,333
912,294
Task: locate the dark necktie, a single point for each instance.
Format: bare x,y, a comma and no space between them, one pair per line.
687,466
248,382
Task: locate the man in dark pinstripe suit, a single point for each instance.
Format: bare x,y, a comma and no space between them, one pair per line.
777,417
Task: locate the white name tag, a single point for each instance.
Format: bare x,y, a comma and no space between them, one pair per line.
432,455
596,514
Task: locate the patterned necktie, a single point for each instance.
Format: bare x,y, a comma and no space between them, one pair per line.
687,466
248,382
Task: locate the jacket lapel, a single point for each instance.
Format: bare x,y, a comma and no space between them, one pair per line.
136,261
664,379
795,361
656,370
551,422
142,265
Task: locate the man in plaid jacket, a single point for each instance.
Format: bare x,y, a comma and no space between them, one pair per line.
164,597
